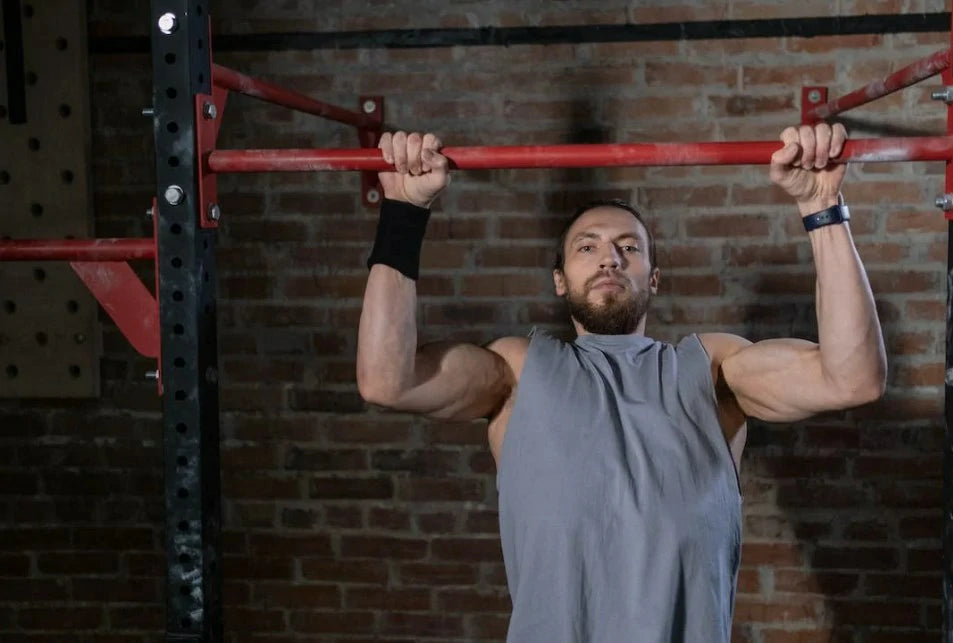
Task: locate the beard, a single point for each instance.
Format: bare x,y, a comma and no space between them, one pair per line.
617,313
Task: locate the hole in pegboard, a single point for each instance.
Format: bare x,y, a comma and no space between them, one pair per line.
182,461
182,492
184,559
183,525
180,395
33,143
4,177
201,78
170,58
36,209
177,295
176,262
64,110
39,274
185,590
31,78
179,362
3,111
181,427
173,127
173,161
205,276
12,371
198,10
9,307
204,244
42,339
178,329
200,44
72,305
61,43
185,622
74,371
170,92
175,228
67,176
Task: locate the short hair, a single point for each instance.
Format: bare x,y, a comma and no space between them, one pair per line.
599,203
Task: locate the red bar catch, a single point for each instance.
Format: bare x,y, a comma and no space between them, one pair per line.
566,156
77,249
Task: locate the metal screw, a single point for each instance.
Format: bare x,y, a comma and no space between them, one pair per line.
209,111
149,213
814,96
168,23
152,375
373,196
79,338
945,202
174,195
945,94
370,106
214,212
148,111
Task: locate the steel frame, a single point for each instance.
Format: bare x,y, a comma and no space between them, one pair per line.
188,100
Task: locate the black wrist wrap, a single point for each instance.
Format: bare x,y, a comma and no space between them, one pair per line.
400,234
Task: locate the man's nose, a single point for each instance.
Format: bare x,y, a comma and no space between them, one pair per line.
610,257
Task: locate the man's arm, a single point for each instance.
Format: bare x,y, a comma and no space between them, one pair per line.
444,380
786,380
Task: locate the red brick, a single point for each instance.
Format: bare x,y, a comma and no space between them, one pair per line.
266,544
336,622
728,225
469,549
440,490
70,619
374,546
349,571
78,562
428,574
387,599
296,595
790,609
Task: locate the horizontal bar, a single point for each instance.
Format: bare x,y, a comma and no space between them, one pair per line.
909,75
77,249
237,82
938,148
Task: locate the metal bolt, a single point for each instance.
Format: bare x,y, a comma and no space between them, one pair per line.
209,111
945,94
373,196
148,111
149,213
214,212
370,106
79,338
174,195
945,202
814,96
168,23
152,375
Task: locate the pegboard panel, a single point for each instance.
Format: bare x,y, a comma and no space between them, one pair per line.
49,334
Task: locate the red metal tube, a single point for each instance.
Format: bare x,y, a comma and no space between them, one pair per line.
909,75
77,249
237,82
565,156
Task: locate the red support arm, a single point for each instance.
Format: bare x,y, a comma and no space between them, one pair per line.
565,156
77,249
909,75
229,79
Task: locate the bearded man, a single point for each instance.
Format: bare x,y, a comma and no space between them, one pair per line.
618,455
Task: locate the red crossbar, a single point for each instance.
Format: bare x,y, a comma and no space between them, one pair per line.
237,82
565,156
77,249
909,75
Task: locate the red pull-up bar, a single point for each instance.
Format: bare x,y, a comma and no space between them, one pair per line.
938,148
77,249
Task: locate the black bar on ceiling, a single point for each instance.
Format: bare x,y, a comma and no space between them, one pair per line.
14,61
187,315
579,34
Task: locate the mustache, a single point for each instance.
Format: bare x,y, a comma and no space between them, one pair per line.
609,278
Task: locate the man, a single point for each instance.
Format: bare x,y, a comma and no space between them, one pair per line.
620,502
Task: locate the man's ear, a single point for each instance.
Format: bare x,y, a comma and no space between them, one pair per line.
654,280
559,280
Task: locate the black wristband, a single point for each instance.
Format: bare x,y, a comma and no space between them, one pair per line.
830,216
400,234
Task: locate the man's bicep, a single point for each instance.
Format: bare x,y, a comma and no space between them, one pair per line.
779,380
456,381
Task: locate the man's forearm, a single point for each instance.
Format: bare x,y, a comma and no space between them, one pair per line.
849,334
387,336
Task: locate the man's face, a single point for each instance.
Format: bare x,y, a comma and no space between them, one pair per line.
607,278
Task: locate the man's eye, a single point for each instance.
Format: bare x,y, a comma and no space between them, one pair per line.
585,248
630,248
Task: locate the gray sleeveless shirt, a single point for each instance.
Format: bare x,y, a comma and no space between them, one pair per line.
620,509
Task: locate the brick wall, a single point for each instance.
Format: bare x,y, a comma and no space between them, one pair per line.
345,523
